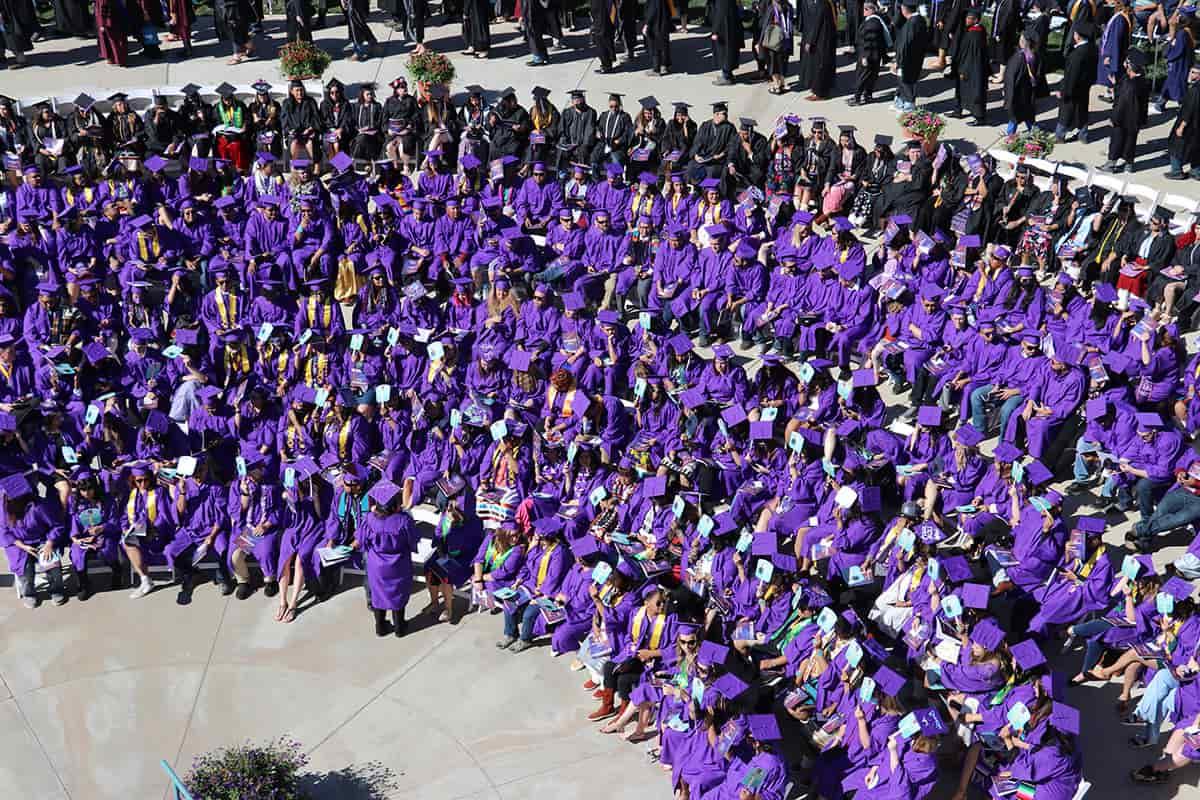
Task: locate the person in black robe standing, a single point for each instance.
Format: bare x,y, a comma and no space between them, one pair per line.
818,49
657,32
1006,21
19,21
1131,107
872,44
604,32
855,14
578,132
971,70
1075,88
71,18
538,14
911,44
773,42
1077,11
728,37
713,146
954,22
1183,143
1020,86
477,30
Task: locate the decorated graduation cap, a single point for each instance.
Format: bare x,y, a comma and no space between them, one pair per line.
987,634
384,492
15,487
1064,718
764,727
889,681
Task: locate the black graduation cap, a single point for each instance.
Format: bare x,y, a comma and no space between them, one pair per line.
720,105
160,100
883,140
681,107
84,101
368,86
1086,29
508,90
576,92
747,123
226,90
847,129
115,96
540,92
975,11
649,101
191,88
475,88
1136,60
1163,213
615,96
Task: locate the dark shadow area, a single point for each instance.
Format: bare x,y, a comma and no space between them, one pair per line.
370,781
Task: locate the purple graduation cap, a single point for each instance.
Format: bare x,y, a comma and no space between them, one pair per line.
889,681
967,436
784,562
842,225
573,301
186,337
157,422
956,569
656,486
762,431
95,352
1064,718
693,398
931,721
929,532
1054,683
734,414
548,526
14,487
1006,452
850,270
764,727
711,654
729,686
1092,526
1178,588
519,360
746,250
864,378
870,499
987,634
608,317
384,492
1148,421
724,524
1027,655
723,351
929,416
1096,408
1038,473
585,547
765,543
803,218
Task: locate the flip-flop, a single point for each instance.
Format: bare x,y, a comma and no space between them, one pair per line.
279,612
289,615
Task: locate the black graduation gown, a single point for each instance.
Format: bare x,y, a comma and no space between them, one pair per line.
818,49
71,17
1019,87
369,127
510,132
614,132
658,27
752,165
163,129
1079,73
727,27
477,20
714,143
912,40
678,137
954,22
552,130
1186,148
578,135
971,70
1131,105
298,117
1006,19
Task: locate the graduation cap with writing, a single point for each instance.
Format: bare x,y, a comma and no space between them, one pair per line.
14,487
930,720
384,492
930,532
956,569
1027,655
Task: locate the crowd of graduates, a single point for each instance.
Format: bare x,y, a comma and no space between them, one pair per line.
267,351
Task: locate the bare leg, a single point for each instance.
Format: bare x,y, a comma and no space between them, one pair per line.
285,579
136,561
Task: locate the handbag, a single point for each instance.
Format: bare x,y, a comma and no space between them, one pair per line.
772,38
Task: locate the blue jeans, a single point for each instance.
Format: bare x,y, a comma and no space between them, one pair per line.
1081,471
1091,630
1178,508
1010,406
1158,698
978,403
528,615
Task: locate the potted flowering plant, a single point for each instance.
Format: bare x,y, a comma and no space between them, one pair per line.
429,68
1036,143
271,770
302,61
925,125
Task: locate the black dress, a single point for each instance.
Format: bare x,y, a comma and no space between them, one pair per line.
818,49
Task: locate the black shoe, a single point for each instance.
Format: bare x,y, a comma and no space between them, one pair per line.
244,590
185,592
1175,175
85,589
381,624
399,624
853,101
271,588
604,71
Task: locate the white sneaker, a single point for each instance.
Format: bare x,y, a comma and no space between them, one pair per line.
142,590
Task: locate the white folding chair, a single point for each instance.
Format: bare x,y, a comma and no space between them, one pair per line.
1084,786
1109,182
1006,162
1074,173
1147,198
1042,165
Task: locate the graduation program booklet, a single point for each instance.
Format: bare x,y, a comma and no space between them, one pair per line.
334,555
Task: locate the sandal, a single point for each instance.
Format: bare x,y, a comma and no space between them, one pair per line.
1140,742
1123,707
1148,774
239,58
279,612
289,615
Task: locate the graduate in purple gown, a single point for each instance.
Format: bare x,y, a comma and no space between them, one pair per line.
255,514
31,538
386,539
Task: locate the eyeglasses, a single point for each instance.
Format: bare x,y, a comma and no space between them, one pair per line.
688,642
